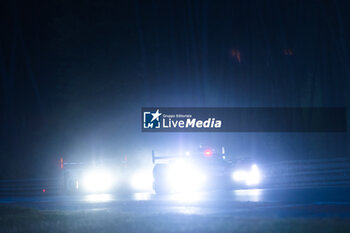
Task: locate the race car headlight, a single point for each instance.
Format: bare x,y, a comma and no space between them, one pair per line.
183,177
250,177
254,176
240,175
97,181
142,181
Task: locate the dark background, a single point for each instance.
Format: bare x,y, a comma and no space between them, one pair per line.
75,74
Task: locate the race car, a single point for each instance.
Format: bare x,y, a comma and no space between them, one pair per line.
206,169
101,176
105,175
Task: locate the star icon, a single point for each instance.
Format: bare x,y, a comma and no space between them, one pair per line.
156,115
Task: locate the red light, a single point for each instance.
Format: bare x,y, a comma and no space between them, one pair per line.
44,190
61,162
208,153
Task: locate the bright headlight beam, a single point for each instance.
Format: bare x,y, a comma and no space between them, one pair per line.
183,177
240,175
253,177
250,177
97,181
142,181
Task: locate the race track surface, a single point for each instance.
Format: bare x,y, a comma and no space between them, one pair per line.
302,202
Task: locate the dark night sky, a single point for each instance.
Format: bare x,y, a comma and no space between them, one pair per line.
74,74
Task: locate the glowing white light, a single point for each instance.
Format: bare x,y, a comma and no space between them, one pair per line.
248,195
240,175
251,177
185,178
98,198
97,181
187,153
142,181
142,196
